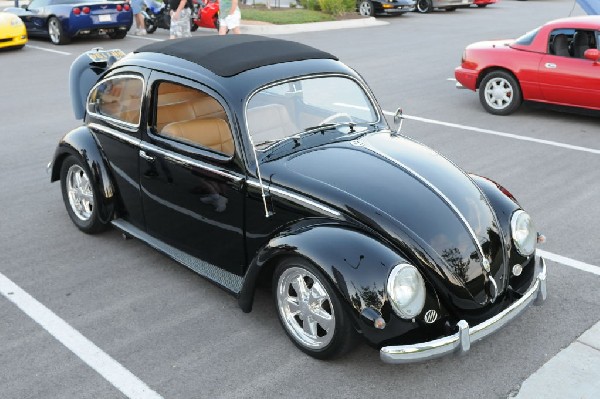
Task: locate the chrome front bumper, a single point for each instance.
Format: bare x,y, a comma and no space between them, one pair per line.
461,341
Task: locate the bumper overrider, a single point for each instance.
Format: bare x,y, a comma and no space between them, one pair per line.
461,341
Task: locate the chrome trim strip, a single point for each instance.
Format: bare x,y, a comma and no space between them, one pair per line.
189,162
117,134
180,159
298,199
461,341
432,188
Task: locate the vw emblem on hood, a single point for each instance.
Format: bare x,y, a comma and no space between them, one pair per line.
430,316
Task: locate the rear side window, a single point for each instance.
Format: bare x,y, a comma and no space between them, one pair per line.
118,98
527,38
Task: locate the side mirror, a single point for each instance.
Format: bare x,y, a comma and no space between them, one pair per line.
398,118
592,54
24,6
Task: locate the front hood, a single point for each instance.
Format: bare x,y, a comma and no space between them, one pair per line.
407,191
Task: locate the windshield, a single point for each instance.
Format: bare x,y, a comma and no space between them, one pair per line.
291,109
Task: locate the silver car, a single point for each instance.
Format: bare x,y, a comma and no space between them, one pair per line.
425,6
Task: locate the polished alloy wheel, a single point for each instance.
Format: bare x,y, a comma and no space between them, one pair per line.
80,193
305,308
54,30
366,9
498,93
424,6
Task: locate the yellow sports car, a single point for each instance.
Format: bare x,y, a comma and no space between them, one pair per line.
12,31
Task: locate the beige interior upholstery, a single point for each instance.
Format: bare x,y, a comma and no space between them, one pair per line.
175,112
208,107
213,133
269,122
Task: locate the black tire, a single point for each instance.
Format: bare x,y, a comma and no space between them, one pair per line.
500,93
84,215
341,335
217,22
117,34
193,27
424,6
366,8
450,9
481,5
56,32
150,25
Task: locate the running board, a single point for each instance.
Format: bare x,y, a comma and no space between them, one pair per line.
225,279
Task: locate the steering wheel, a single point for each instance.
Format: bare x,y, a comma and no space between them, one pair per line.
335,116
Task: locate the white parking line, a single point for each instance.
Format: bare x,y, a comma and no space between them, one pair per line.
48,50
146,38
106,366
586,267
501,134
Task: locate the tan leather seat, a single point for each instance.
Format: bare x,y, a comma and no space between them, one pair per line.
208,107
174,112
212,133
269,122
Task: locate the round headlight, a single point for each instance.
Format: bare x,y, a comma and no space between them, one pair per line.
523,232
406,290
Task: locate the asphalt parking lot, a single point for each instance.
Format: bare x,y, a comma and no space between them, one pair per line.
169,333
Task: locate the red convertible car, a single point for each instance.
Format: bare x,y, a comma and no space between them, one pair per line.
557,63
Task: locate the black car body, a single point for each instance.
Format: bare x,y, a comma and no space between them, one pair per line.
285,170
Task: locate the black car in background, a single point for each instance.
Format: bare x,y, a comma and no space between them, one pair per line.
252,159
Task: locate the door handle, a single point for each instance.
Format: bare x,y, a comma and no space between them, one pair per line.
550,65
147,157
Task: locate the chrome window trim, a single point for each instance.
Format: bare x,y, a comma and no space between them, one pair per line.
180,159
127,125
309,203
295,79
190,162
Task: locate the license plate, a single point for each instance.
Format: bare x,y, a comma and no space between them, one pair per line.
104,18
102,55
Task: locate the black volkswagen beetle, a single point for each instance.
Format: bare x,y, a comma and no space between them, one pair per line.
252,159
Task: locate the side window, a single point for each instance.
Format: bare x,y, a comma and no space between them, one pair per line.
192,117
118,98
560,42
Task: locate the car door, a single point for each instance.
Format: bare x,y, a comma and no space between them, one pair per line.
568,80
191,180
114,116
35,18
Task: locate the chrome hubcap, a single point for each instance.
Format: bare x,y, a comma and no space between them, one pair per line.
54,31
79,191
305,308
365,9
498,93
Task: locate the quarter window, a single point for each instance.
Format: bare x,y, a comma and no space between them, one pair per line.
192,117
118,98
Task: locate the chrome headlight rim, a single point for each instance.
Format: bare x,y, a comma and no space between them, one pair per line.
415,306
524,244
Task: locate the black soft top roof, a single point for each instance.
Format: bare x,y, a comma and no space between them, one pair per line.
231,54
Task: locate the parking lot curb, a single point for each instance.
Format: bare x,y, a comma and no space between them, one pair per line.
270,29
577,365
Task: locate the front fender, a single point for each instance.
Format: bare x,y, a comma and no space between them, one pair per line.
80,142
356,264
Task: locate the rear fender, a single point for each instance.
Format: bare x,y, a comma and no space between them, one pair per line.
81,143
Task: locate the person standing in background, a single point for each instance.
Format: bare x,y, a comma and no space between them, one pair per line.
136,9
229,16
181,13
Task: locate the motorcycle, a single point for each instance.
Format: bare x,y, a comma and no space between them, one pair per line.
156,15
205,14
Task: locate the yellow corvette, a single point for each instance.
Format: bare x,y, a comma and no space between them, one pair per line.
12,31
